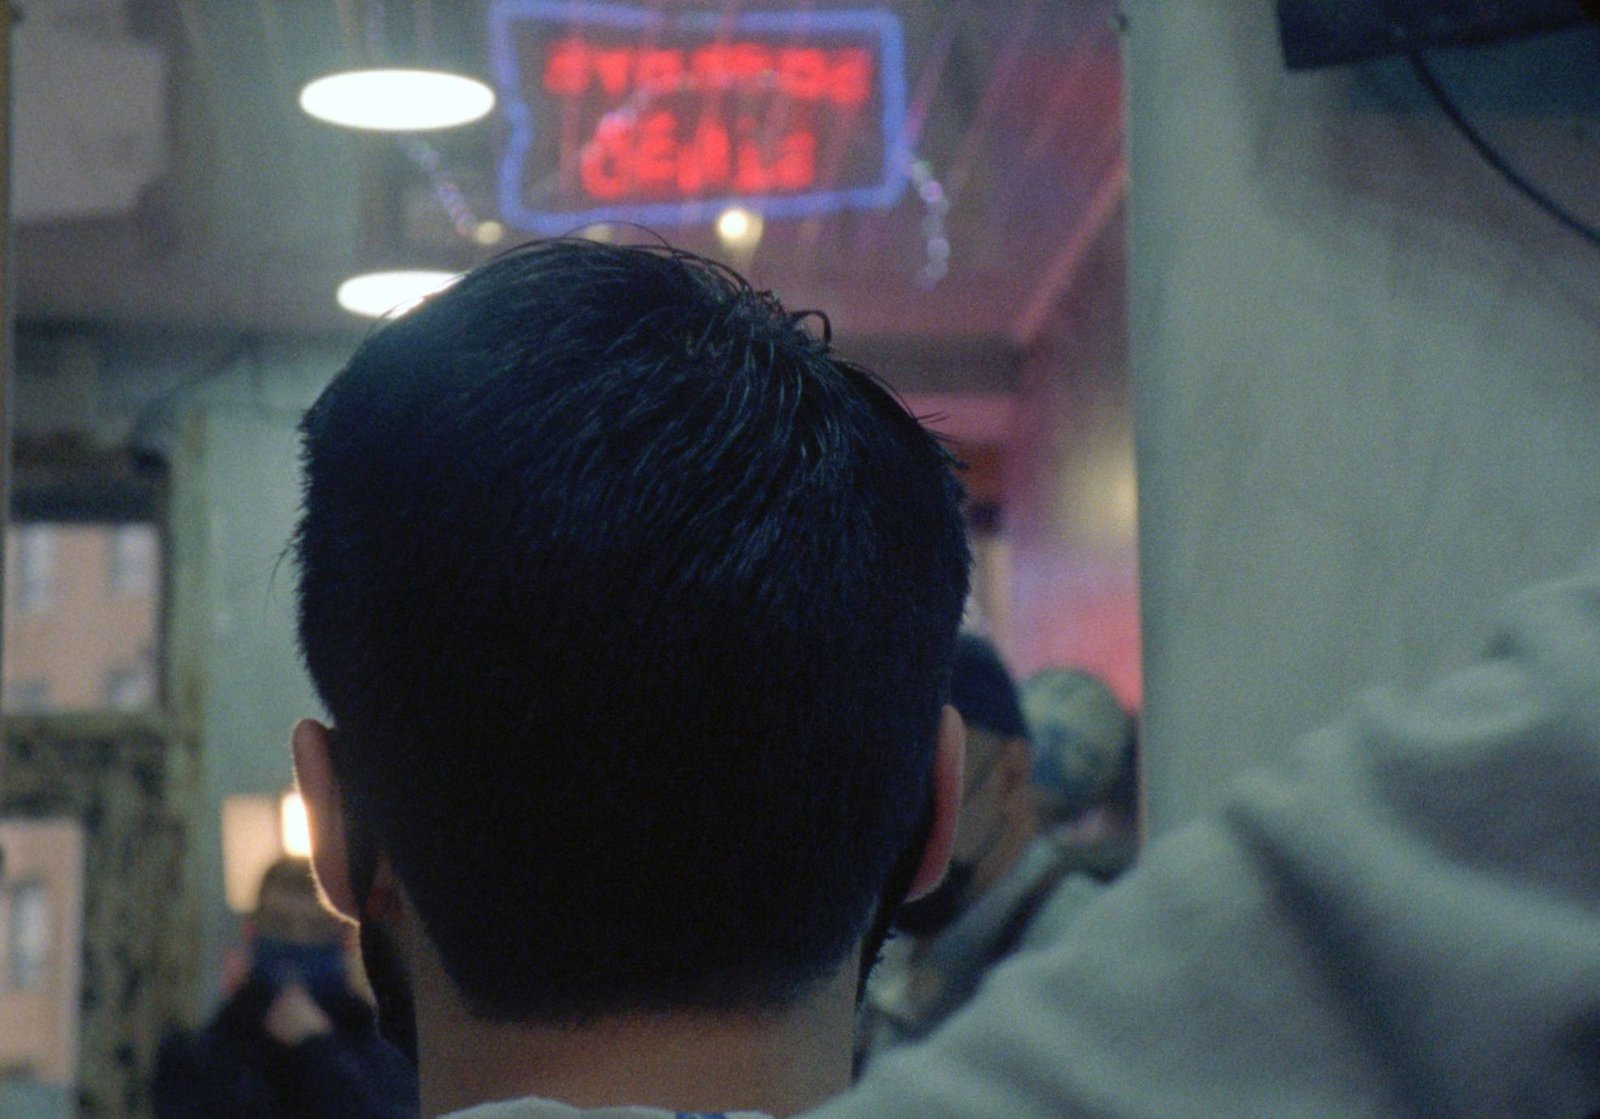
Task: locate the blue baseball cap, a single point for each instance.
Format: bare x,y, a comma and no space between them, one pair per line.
983,691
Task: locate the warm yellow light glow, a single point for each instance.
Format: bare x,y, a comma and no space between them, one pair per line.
488,232
380,294
250,844
739,228
397,100
733,225
294,829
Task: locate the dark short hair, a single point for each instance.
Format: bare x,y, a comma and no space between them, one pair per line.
633,606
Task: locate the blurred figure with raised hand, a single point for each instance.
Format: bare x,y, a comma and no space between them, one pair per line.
296,1039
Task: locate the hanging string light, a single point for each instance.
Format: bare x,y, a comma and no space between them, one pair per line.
447,192
399,78
936,240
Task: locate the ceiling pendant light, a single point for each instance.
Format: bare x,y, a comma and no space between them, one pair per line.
397,100
391,293
405,73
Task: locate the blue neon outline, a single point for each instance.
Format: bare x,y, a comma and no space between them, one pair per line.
503,64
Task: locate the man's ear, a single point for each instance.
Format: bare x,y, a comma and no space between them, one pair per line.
949,762
330,852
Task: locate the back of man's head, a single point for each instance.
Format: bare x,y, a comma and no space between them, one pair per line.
633,607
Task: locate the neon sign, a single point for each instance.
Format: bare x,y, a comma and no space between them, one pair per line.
623,114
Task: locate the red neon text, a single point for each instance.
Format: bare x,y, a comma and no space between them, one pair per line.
655,154
842,76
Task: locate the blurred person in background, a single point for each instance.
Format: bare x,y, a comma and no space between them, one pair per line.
296,1039
1010,884
1085,766
1401,919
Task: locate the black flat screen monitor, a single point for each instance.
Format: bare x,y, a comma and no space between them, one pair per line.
1318,33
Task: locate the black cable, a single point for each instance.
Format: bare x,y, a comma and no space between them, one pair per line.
151,413
224,361
1494,159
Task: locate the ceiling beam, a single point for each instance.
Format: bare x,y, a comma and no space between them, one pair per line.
1058,277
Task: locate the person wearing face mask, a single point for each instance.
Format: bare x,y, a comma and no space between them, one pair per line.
1007,880
296,1039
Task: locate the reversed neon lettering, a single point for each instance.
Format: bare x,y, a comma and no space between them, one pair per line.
566,67
803,73
613,67
850,79
659,71
603,166
843,76
655,161
649,122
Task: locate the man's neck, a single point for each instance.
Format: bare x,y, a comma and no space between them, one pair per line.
777,1063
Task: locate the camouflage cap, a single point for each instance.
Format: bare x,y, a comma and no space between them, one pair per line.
1082,737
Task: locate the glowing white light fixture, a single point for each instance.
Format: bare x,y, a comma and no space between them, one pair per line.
397,100
294,827
739,228
379,295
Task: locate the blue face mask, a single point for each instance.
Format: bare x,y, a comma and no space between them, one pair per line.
317,967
